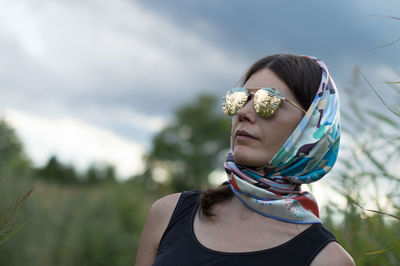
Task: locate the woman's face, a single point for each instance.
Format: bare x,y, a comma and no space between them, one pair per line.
256,139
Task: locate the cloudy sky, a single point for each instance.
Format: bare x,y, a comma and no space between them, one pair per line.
94,80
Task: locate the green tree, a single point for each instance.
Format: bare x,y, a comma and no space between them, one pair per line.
193,145
92,175
10,145
14,167
55,171
12,156
100,173
109,174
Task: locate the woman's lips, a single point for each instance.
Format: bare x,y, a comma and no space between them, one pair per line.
242,135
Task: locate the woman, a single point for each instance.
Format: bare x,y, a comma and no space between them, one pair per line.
285,132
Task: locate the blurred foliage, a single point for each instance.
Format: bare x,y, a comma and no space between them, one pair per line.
12,157
79,225
10,145
368,176
12,162
9,221
67,220
55,171
185,152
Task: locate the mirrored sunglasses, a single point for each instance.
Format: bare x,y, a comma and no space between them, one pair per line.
266,101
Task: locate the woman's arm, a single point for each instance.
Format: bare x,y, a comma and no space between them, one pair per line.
333,255
157,221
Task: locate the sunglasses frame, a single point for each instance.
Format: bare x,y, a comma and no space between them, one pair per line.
269,110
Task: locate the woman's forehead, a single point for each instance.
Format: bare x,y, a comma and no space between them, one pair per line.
265,78
254,89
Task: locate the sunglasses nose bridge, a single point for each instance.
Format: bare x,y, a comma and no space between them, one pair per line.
248,106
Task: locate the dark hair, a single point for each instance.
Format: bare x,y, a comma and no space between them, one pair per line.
302,75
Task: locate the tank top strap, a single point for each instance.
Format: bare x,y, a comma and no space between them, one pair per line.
314,241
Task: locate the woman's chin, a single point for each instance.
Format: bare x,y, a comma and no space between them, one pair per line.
245,157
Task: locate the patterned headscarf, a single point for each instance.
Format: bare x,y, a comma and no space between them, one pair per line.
307,155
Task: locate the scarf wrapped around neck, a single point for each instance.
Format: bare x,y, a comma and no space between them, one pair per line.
307,155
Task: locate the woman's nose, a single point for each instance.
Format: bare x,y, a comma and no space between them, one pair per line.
247,112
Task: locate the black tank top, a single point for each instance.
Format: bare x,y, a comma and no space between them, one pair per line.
179,246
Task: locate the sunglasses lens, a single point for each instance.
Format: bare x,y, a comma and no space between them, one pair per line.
266,101
234,100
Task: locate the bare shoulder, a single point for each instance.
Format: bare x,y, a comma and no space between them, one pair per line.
160,214
156,223
333,254
163,208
